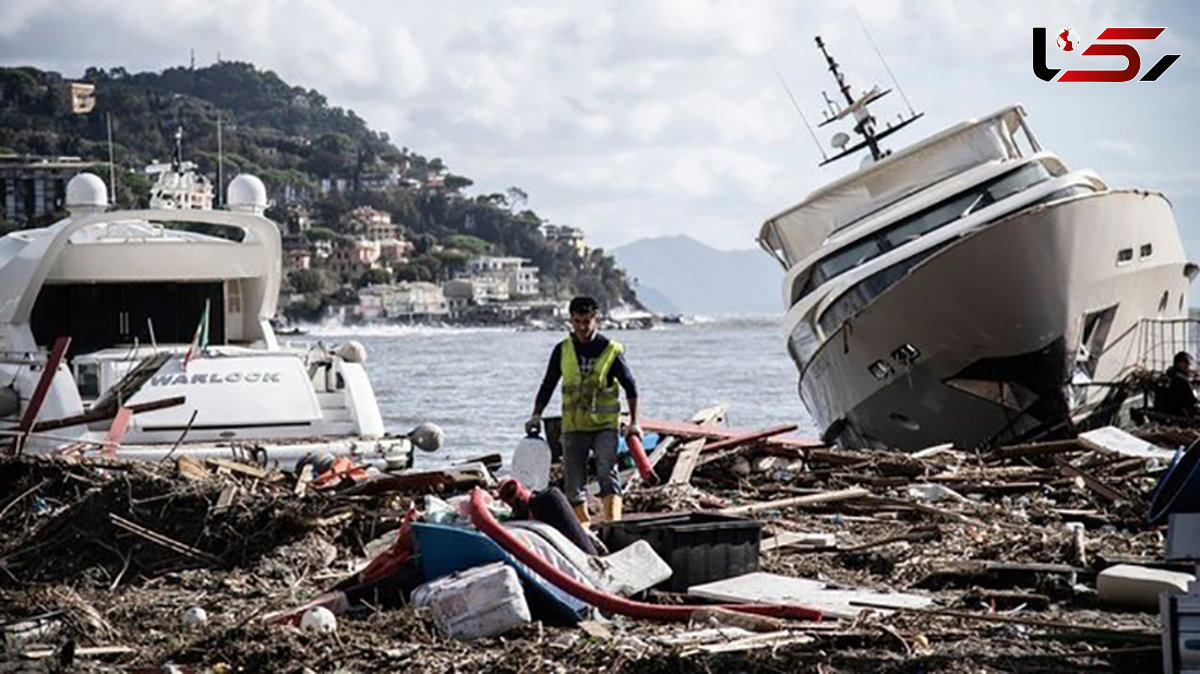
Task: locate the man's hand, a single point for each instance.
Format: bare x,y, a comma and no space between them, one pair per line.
634,429
534,425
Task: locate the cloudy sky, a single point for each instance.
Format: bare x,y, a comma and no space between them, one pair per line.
635,118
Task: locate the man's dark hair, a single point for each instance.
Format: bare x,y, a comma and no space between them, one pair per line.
584,305
1182,357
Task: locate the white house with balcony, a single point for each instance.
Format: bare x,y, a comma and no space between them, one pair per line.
522,280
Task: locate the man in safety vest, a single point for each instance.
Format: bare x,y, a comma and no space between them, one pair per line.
591,366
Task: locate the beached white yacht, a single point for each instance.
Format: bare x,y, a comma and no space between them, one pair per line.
167,303
972,287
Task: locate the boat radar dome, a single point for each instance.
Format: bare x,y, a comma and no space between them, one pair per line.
247,194
86,193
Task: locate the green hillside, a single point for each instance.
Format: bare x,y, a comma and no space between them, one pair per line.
293,139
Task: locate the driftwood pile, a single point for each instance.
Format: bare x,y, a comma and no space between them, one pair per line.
99,561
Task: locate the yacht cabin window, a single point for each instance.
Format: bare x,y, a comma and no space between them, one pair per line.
856,297
921,223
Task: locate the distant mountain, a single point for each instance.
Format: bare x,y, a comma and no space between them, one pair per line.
678,274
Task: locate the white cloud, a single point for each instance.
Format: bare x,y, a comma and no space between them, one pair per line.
1122,149
649,117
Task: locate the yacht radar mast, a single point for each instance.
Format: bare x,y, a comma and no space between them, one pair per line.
179,186
864,121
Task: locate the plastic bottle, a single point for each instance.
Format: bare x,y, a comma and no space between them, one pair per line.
531,463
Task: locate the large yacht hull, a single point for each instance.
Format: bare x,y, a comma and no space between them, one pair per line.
1005,305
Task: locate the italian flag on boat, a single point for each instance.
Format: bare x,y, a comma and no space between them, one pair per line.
200,339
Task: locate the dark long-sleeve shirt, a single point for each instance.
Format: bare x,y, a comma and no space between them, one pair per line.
587,353
1176,394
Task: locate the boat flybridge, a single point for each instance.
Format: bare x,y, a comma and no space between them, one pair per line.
972,288
168,313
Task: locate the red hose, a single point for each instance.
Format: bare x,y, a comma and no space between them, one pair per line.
639,457
488,525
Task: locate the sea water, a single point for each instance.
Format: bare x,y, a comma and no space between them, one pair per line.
479,384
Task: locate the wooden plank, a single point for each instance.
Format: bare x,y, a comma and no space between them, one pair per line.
494,462
789,539
1093,483
747,438
689,430
450,477
915,534
710,415
57,352
164,541
81,652
837,457
101,415
112,439
685,462
130,384
228,494
797,501
246,469
769,640
303,480
689,452
715,615
1040,448
1013,620
191,468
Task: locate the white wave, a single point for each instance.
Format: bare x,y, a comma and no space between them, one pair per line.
735,319
334,329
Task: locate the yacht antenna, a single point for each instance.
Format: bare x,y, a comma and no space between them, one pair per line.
833,109
864,121
220,162
177,161
799,111
886,67
112,172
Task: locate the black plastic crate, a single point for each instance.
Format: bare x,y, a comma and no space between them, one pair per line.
699,547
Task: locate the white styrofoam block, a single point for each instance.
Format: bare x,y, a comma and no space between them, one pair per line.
481,602
1113,439
770,588
1130,585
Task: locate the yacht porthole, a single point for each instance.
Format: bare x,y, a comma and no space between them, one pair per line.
904,422
880,370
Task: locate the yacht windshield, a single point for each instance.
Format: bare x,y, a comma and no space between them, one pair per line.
921,223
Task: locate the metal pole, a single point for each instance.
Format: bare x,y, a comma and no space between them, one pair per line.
112,173
220,162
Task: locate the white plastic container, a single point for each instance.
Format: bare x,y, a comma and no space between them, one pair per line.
531,463
476,603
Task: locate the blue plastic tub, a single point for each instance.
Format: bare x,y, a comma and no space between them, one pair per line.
443,550
1178,490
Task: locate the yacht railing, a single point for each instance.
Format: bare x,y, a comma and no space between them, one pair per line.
1151,343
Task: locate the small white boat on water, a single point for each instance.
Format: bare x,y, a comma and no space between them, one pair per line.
166,303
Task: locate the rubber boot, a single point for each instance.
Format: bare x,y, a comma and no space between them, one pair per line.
612,507
581,513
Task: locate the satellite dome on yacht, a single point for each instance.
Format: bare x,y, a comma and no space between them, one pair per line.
86,192
246,193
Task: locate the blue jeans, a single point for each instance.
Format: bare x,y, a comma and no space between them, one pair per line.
576,446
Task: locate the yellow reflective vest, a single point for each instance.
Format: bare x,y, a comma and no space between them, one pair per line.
589,403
